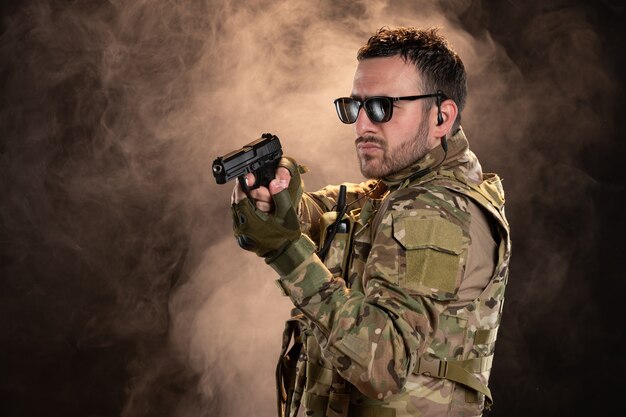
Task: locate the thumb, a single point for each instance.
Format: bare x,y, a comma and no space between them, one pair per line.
282,202
284,211
277,185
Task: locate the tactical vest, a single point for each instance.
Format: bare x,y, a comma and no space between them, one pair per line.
460,355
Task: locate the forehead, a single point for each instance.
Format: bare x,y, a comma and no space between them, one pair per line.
385,76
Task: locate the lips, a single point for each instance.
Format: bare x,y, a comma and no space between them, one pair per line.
368,146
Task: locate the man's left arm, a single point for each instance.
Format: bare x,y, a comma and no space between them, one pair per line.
373,338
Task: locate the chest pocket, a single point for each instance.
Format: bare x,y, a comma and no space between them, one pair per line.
433,247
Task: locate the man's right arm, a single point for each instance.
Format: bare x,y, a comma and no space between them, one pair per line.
315,204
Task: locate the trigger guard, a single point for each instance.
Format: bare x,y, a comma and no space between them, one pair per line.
259,179
243,183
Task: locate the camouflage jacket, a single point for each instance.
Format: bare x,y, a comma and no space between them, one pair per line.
400,317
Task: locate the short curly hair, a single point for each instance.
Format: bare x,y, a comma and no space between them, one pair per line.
439,66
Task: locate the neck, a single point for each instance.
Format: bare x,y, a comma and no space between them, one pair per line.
437,157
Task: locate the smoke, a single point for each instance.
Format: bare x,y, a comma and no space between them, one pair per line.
125,293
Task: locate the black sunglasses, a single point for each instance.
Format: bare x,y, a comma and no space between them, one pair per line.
378,108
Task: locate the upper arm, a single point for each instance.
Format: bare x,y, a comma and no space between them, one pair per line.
421,245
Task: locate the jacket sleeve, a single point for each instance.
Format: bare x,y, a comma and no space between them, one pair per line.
374,338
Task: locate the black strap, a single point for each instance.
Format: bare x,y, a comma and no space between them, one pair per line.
286,366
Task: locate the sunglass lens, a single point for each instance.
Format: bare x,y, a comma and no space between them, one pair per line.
378,109
347,109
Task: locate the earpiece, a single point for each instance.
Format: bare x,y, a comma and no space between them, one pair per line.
439,100
444,141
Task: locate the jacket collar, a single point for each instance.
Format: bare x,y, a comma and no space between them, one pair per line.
458,156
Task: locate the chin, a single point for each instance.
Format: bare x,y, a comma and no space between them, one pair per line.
371,172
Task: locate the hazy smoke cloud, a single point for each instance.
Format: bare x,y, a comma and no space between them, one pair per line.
124,289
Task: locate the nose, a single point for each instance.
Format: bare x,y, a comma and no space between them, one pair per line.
363,125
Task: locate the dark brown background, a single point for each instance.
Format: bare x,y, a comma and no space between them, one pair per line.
123,292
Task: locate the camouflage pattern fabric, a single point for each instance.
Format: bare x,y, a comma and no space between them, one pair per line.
375,336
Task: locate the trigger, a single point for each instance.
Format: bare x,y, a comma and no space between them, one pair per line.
243,183
244,186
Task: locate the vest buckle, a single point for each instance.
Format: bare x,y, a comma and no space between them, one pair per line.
435,368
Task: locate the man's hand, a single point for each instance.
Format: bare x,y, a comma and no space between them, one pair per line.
268,224
262,196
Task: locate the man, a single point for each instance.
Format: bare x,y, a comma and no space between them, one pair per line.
398,282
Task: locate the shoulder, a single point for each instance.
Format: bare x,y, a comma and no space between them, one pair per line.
422,235
427,217
429,200
327,196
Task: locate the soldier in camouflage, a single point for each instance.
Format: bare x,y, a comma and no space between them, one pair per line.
398,282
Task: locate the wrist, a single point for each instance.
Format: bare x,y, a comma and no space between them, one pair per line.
293,255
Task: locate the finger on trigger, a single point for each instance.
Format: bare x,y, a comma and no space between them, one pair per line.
238,193
250,179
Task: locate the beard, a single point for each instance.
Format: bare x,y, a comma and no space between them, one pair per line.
395,159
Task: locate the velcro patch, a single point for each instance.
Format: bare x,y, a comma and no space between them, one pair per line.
433,250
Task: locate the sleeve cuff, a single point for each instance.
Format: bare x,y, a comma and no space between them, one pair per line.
293,256
306,282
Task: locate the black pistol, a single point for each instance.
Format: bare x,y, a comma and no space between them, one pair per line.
260,157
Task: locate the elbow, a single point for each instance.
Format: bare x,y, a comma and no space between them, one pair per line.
383,384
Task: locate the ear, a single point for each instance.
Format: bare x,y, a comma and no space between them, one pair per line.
449,111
